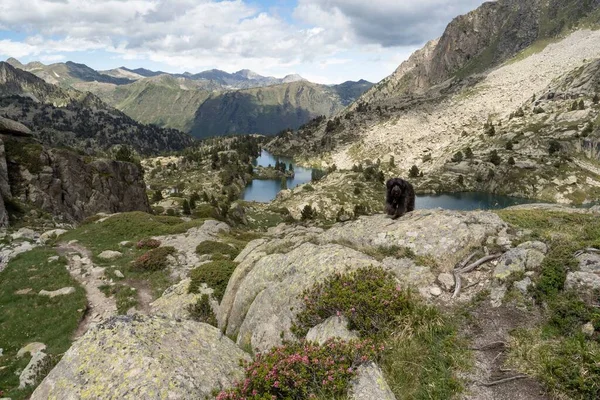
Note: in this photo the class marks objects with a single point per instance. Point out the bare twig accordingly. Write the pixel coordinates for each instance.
(477, 263)
(505, 380)
(588, 250)
(472, 284)
(457, 284)
(464, 262)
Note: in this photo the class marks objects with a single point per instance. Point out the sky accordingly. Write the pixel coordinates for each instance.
(325, 41)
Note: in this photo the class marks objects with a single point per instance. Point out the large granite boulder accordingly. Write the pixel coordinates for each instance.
(444, 235)
(145, 358)
(13, 128)
(263, 294)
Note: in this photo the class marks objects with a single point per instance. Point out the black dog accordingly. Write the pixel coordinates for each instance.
(400, 198)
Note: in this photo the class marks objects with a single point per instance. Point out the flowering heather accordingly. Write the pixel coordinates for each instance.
(370, 298)
(154, 260)
(303, 371)
(148, 244)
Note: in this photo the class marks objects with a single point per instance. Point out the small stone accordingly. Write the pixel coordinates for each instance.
(497, 295)
(98, 272)
(24, 291)
(1, 352)
(110, 255)
(72, 242)
(332, 327)
(523, 285)
(53, 234)
(119, 274)
(31, 348)
(126, 243)
(53, 259)
(435, 291)
(446, 280)
(60, 292)
(588, 329)
(24, 233)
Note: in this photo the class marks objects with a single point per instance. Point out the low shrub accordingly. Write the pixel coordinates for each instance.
(215, 274)
(148, 244)
(303, 370)
(370, 298)
(154, 260)
(213, 248)
(202, 311)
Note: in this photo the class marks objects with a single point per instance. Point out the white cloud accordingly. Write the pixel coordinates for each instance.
(230, 34)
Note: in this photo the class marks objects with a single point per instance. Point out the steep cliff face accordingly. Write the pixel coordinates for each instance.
(481, 39)
(68, 185)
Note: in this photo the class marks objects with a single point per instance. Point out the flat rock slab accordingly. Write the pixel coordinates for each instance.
(31, 374)
(175, 301)
(441, 234)
(139, 357)
(31, 348)
(60, 292)
(110, 255)
(370, 384)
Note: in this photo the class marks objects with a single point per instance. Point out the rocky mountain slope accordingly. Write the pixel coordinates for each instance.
(208, 103)
(495, 67)
(271, 109)
(67, 117)
(472, 298)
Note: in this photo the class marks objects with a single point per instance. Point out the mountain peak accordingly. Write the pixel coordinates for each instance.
(247, 74)
(14, 62)
(292, 78)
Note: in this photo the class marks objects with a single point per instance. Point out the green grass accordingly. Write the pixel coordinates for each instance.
(423, 355)
(215, 274)
(422, 352)
(213, 248)
(132, 227)
(33, 318)
(125, 296)
(556, 352)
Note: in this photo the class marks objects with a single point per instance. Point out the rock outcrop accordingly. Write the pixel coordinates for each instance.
(145, 358)
(68, 185)
(263, 295)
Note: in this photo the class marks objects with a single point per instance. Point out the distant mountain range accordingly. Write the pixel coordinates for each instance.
(65, 117)
(208, 103)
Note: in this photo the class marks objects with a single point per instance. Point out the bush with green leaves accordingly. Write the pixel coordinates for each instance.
(202, 311)
(414, 171)
(212, 247)
(302, 370)
(154, 260)
(214, 274)
(495, 158)
(370, 298)
(457, 157)
(308, 213)
(554, 147)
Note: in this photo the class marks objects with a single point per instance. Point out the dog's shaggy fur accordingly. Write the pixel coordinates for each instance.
(400, 198)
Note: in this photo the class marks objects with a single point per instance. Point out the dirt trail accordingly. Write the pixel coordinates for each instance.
(489, 331)
(81, 268)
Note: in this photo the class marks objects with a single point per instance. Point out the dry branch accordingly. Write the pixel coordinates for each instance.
(505, 380)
